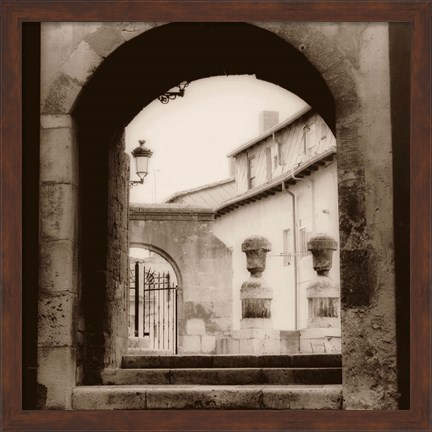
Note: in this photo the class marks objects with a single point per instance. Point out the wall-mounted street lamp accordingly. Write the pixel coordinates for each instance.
(141, 154)
(171, 95)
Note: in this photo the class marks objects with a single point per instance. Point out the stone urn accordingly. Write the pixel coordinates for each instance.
(322, 291)
(255, 294)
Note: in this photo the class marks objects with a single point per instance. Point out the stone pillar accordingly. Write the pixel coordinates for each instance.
(116, 318)
(255, 294)
(256, 335)
(323, 332)
(58, 262)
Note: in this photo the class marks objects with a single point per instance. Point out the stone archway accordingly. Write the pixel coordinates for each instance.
(158, 288)
(163, 254)
(141, 243)
(184, 236)
(89, 101)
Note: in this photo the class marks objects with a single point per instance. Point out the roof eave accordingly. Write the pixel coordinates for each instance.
(266, 188)
(198, 189)
(269, 132)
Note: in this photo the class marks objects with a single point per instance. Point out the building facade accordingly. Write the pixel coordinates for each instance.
(284, 189)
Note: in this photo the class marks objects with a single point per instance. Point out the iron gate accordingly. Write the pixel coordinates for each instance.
(155, 308)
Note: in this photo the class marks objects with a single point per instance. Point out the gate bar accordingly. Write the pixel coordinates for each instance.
(144, 278)
(136, 297)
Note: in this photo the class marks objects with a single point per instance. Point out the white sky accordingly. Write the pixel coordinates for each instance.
(191, 136)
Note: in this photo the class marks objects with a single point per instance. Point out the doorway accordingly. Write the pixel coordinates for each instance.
(153, 300)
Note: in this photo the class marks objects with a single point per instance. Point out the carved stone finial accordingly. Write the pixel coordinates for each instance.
(255, 293)
(322, 247)
(256, 248)
(322, 291)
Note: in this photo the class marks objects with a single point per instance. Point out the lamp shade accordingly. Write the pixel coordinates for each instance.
(141, 155)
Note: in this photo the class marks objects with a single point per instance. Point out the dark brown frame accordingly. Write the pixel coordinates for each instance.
(417, 13)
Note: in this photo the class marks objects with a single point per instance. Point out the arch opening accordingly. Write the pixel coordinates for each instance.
(287, 220)
(161, 58)
(130, 78)
(351, 58)
(136, 246)
(153, 296)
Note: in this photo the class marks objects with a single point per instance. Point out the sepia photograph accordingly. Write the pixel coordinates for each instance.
(219, 215)
(215, 215)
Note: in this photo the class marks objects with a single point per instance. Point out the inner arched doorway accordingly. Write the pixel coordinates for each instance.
(153, 290)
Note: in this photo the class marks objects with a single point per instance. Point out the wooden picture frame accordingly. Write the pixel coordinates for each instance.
(15, 12)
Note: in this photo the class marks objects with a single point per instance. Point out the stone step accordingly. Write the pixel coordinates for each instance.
(296, 397)
(223, 376)
(231, 361)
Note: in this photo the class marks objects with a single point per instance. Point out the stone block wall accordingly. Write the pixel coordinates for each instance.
(58, 262)
(183, 235)
(259, 342)
(356, 67)
(117, 290)
(353, 60)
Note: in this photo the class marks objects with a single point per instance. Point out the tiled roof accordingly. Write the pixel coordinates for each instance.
(277, 184)
(210, 195)
(269, 132)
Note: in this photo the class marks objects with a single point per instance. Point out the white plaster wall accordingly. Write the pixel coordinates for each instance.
(269, 217)
(326, 221)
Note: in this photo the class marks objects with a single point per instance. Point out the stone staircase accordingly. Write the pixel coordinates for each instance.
(297, 381)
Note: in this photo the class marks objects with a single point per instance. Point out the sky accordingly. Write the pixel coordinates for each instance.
(191, 136)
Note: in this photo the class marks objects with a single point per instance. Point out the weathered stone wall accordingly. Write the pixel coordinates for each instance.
(204, 263)
(117, 295)
(71, 52)
(353, 60)
(58, 261)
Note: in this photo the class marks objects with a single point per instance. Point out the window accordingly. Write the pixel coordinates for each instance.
(251, 172)
(280, 154)
(286, 247)
(303, 241)
(306, 131)
(232, 167)
(268, 164)
(323, 132)
(308, 138)
(275, 161)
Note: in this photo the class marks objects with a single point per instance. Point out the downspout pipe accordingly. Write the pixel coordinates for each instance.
(313, 198)
(284, 188)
